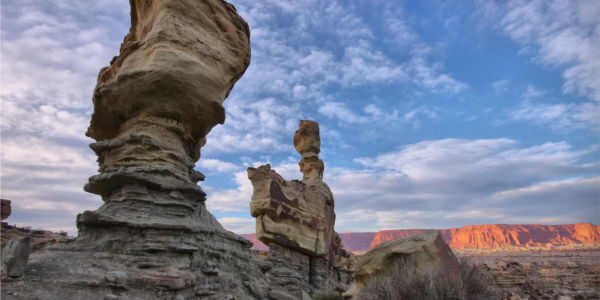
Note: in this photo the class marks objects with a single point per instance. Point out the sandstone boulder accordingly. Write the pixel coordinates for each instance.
(14, 256)
(425, 251)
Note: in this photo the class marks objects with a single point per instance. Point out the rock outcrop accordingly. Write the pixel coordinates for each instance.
(296, 220)
(39, 239)
(424, 251)
(560, 273)
(153, 107)
(14, 256)
(5, 208)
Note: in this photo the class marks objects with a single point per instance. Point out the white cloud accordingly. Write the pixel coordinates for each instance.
(533, 92)
(230, 200)
(238, 225)
(217, 165)
(560, 117)
(254, 127)
(452, 182)
(500, 86)
(455, 182)
(51, 53)
(45, 179)
(557, 33)
(338, 110)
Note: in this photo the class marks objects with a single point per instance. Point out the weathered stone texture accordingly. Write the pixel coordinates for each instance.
(5, 208)
(296, 219)
(14, 256)
(424, 251)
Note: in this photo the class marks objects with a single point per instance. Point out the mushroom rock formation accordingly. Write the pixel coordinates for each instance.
(153, 237)
(153, 107)
(296, 218)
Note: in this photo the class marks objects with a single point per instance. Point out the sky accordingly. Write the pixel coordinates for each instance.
(433, 114)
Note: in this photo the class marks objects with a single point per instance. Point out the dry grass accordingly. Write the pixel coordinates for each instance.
(406, 282)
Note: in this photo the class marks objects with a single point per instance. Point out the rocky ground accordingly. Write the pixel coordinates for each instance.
(542, 273)
(39, 238)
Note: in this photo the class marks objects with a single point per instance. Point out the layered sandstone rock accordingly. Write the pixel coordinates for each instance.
(560, 273)
(153, 107)
(424, 251)
(296, 218)
(296, 214)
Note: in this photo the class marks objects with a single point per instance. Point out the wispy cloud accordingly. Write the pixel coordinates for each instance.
(500, 86)
(560, 117)
(239, 225)
(560, 34)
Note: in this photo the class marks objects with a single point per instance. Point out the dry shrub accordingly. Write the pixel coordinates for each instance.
(408, 282)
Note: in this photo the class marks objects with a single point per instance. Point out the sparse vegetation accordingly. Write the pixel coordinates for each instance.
(327, 296)
(407, 282)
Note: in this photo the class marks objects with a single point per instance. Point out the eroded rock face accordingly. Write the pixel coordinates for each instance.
(426, 250)
(5, 208)
(295, 214)
(153, 107)
(296, 218)
(14, 256)
(179, 61)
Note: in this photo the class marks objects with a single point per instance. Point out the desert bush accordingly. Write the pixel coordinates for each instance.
(476, 281)
(408, 282)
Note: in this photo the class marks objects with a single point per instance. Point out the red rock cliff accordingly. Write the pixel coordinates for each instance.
(503, 235)
(477, 236)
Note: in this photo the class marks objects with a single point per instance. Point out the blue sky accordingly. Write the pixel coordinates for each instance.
(433, 114)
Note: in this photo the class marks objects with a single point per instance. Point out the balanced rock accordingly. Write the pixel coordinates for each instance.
(424, 251)
(295, 214)
(296, 220)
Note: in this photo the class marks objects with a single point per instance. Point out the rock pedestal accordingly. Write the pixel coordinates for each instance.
(296, 219)
(153, 107)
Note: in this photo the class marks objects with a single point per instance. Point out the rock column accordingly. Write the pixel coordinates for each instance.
(296, 219)
(153, 107)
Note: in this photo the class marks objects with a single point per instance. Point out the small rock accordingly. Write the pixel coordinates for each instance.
(111, 297)
(15, 256)
(305, 296)
(281, 295)
(116, 277)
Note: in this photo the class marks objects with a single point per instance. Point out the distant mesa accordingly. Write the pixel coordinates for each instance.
(489, 236)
